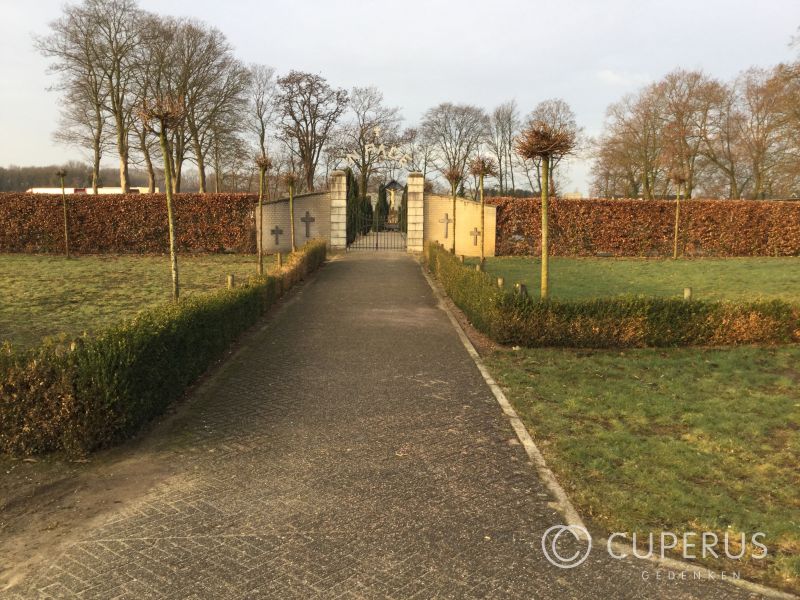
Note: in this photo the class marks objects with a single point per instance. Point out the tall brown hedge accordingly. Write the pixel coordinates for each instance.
(132, 223)
(645, 227)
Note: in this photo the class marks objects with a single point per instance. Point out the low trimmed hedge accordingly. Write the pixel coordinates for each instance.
(95, 391)
(627, 322)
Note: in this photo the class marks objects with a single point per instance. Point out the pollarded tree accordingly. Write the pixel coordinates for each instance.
(161, 115)
(454, 177)
(309, 108)
(264, 164)
(481, 168)
(559, 116)
(545, 142)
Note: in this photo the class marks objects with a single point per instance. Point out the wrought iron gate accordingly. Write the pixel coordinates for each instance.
(379, 227)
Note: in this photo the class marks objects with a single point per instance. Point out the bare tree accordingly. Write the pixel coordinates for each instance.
(213, 86)
(687, 97)
(84, 125)
(309, 108)
(760, 127)
(455, 131)
(155, 64)
(262, 104)
(117, 26)
(503, 126)
(418, 150)
(73, 44)
(364, 138)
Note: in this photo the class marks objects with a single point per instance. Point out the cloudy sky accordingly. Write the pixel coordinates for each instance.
(422, 52)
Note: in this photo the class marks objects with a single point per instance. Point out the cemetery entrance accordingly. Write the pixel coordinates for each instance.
(378, 221)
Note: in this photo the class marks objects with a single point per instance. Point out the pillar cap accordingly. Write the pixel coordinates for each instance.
(414, 174)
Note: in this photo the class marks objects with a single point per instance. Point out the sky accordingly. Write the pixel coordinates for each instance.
(423, 52)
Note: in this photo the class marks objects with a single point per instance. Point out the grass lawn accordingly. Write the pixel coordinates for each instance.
(48, 295)
(709, 278)
(672, 440)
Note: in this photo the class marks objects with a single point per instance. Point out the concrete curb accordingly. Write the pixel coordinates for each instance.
(562, 502)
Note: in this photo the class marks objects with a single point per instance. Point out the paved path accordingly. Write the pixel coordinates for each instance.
(350, 450)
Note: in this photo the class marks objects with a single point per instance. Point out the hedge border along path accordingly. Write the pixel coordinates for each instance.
(127, 223)
(627, 322)
(589, 227)
(100, 390)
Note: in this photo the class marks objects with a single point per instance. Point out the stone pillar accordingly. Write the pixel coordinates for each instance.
(416, 213)
(338, 197)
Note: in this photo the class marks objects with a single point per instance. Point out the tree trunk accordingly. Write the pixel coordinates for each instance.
(363, 190)
(148, 162)
(122, 146)
(217, 181)
(309, 177)
(545, 283)
(201, 163)
(677, 224)
(291, 216)
(96, 166)
(173, 256)
(453, 192)
(124, 181)
(511, 172)
(201, 174)
(260, 228)
(733, 188)
(66, 218)
(178, 175)
(483, 223)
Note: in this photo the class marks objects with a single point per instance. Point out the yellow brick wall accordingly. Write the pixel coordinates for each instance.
(468, 219)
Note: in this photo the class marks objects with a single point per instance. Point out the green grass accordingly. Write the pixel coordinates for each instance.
(47, 295)
(710, 279)
(678, 440)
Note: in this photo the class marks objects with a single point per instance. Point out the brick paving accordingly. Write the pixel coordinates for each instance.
(350, 450)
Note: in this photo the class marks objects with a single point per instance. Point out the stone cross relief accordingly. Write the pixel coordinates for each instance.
(446, 220)
(277, 232)
(308, 220)
(475, 235)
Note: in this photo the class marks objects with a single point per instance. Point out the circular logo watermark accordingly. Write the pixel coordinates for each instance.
(550, 546)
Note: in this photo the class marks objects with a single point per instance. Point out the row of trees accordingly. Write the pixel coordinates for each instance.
(692, 134)
(112, 58)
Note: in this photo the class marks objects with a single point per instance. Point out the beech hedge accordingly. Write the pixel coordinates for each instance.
(80, 395)
(628, 322)
(127, 223)
(589, 227)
